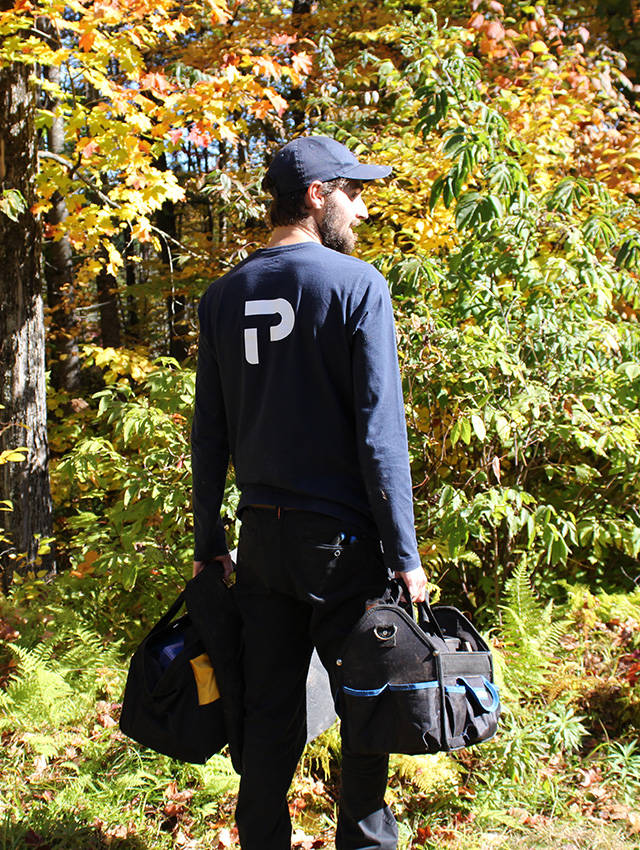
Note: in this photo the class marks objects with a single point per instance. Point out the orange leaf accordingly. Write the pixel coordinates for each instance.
(220, 13)
(279, 103)
(283, 38)
(89, 148)
(267, 66)
(495, 30)
(260, 109)
(86, 567)
(86, 40)
(199, 137)
(157, 82)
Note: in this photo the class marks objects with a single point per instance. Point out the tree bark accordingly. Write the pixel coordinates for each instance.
(22, 359)
(65, 366)
(176, 304)
(131, 268)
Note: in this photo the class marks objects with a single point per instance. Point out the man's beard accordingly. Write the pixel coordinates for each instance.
(333, 232)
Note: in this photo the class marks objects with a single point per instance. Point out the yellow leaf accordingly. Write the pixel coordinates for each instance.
(115, 259)
(14, 455)
(538, 47)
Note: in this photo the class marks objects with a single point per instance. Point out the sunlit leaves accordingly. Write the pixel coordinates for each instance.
(628, 255)
(474, 208)
(569, 193)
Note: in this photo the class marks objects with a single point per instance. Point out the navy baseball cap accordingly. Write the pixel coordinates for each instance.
(310, 158)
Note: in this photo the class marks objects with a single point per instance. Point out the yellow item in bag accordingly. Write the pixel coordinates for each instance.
(205, 679)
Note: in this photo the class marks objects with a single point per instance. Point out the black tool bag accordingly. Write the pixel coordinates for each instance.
(416, 687)
(172, 702)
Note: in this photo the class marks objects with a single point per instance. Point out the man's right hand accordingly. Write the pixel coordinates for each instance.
(227, 566)
(416, 583)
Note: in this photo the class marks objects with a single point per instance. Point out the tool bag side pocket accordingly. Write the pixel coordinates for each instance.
(395, 718)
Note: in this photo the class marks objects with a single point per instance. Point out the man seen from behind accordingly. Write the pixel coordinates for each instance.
(298, 383)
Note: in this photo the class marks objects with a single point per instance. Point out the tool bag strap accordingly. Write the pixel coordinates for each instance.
(168, 616)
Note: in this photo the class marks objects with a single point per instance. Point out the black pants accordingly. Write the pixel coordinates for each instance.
(298, 587)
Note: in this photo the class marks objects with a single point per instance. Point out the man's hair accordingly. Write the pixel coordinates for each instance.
(291, 208)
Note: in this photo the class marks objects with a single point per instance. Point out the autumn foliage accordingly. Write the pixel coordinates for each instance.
(509, 233)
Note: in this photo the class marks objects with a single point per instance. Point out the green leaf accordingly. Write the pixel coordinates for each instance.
(465, 430)
(473, 209)
(503, 428)
(630, 370)
(454, 434)
(12, 204)
(478, 427)
(128, 575)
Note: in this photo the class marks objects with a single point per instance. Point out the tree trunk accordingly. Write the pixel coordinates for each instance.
(176, 304)
(110, 329)
(22, 366)
(131, 269)
(65, 366)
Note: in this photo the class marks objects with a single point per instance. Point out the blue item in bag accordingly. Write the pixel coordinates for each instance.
(169, 646)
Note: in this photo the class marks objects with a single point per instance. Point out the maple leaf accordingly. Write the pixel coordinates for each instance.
(220, 13)
(278, 102)
(302, 63)
(175, 136)
(158, 82)
(283, 38)
(199, 137)
(115, 259)
(260, 109)
(85, 42)
(89, 148)
(267, 66)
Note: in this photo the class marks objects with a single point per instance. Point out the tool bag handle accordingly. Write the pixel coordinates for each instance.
(425, 619)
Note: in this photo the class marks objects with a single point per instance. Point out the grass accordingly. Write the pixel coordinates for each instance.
(562, 774)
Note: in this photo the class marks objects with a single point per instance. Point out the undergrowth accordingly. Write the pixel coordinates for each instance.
(566, 752)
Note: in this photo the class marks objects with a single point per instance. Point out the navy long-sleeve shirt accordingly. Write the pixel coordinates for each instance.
(298, 382)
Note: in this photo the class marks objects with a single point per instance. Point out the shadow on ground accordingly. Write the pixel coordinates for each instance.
(63, 831)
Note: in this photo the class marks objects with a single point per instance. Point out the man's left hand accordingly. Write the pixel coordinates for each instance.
(416, 583)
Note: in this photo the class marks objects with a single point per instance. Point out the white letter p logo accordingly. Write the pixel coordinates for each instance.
(267, 307)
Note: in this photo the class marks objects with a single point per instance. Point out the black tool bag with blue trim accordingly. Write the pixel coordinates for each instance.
(410, 686)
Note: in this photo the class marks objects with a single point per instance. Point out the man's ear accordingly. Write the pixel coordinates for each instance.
(315, 198)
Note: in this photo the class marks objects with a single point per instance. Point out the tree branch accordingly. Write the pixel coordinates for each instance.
(74, 170)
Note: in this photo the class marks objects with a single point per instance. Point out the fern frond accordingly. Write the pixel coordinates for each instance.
(430, 775)
(530, 634)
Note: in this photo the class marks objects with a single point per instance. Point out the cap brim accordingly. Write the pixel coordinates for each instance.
(361, 171)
